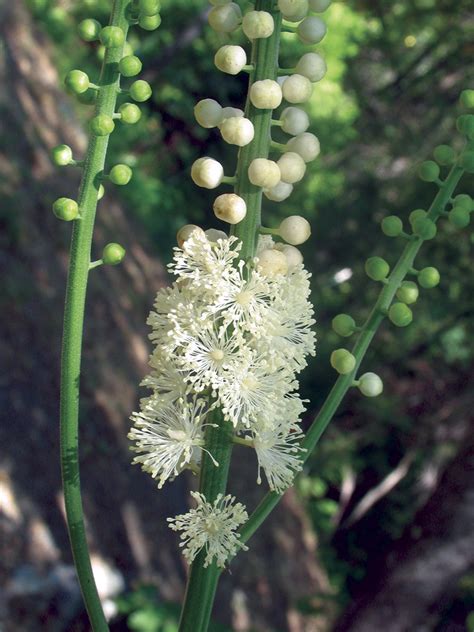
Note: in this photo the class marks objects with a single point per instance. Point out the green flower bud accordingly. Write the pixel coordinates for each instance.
(465, 201)
(444, 155)
(424, 228)
(89, 30)
(459, 217)
(343, 361)
(102, 125)
(465, 124)
(370, 385)
(392, 226)
(400, 314)
(467, 99)
(344, 325)
(113, 254)
(428, 277)
(408, 292)
(419, 213)
(130, 112)
(149, 22)
(140, 90)
(120, 174)
(428, 171)
(130, 66)
(467, 161)
(61, 155)
(65, 209)
(77, 81)
(100, 192)
(149, 7)
(112, 36)
(376, 268)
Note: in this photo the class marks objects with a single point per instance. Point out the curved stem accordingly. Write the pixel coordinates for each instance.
(73, 327)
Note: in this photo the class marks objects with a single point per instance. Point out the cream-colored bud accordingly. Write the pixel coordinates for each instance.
(292, 254)
(237, 131)
(311, 65)
(208, 113)
(230, 208)
(225, 18)
(266, 94)
(185, 233)
(207, 172)
(292, 167)
(272, 262)
(318, 6)
(230, 112)
(214, 235)
(297, 89)
(294, 121)
(258, 24)
(230, 59)
(306, 145)
(370, 385)
(295, 230)
(311, 30)
(279, 192)
(293, 10)
(264, 173)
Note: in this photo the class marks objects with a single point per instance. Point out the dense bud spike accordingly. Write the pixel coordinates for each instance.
(400, 314)
(113, 254)
(61, 155)
(392, 226)
(77, 81)
(102, 125)
(112, 36)
(343, 361)
(428, 171)
(129, 113)
(428, 277)
(89, 30)
(120, 174)
(370, 385)
(130, 65)
(66, 209)
(377, 268)
(344, 325)
(140, 91)
(408, 292)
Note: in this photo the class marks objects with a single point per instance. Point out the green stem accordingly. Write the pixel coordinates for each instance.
(368, 331)
(73, 327)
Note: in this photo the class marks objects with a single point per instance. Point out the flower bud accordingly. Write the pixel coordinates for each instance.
(208, 113)
(230, 208)
(294, 121)
(293, 10)
(237, 131)
(459, 217)
(428, 277)
(293, 256)
(112, 36)
(292, 167)
(428, 171)
(295, 230)
(272, 262)
(149, 22)
(257, 24)
(113, 254)
(415, 215)
(467, 98)
(312, 66)
(311, 30)
(229, 112)
(130, 66)
(230, 59)
(444, 155)
(100, 192)
(408, 292)
(279, 192)
(185, 233)
(61, 155)
(392, 226)
(266, 94)
(120, 174)
(89, 30)
(140, 90)
(65, 209)
(213, 235)
(343, 361)
(297, 89)
(424, 228)
(77, 81)
(149, 7)
(225, 18)
(376, 268)
(400, 314)
(207, 172)
(306, 145)
(344, 325)
(264, 173)
(318, 6)
(130, 113)
(465, 201)
(370, 385)
(102, 125)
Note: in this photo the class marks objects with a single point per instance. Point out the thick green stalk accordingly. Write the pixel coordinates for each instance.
(74, 322)
(368, 331)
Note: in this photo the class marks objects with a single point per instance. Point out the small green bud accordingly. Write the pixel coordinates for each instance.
(140, 90)
(130, 66)
(376, 268)
(465, 124)
(424, 228)
(343, 361)
(89, 30)
(61, 155)
(100, 192)
(400, 314)
(344, 325)
(120, 174)
(459, 217)
(465, 201)
(467, 161)
(77, 81)
(444, 155)
(428, 171)
(415, 215)
(102, 125)
(392, 226)
(408, 292)
(112, 36)
(65, 209)
(113, 254)
(370, 385)
(149, 22)
(149, 7)
(428, 277)
(467, 99)
(130, 112)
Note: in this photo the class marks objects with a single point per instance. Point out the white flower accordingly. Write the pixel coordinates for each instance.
(166, 379)
(211, 526)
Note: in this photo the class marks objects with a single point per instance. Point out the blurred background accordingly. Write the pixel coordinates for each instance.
(378, 532)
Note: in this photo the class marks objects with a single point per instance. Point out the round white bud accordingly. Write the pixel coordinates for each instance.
(264, 173)
(292, 254)
(208, 113)
(311, 65)
(370, 385)
(295, 230)
(272, 262)
(230, 112)
(214, 235)
(279, 192)
(311, 30)
(297, 89)
(225, 18)
(258, 24)
(292, 167)
(237, 130)
(294, 121)
(230, 59)
(207, 172)
(185, 233)
(230, 208)
(266, 94)
(293, 10)
(318, 6)
(306, 145)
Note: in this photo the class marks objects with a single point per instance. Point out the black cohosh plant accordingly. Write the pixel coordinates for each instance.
(234, 330)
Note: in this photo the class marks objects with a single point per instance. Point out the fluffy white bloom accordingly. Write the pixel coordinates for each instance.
(211, 526)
